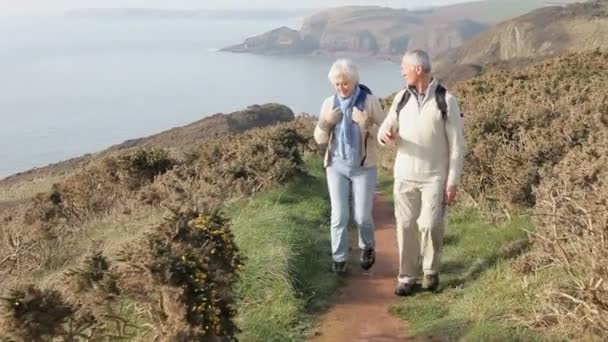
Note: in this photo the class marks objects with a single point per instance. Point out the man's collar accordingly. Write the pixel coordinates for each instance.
(429, 88)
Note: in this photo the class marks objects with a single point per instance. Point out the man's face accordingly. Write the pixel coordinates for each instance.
(411, 73)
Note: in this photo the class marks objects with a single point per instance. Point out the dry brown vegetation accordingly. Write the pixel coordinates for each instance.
(537, 143)
(538, 140)
(135, 245)
(572, 213)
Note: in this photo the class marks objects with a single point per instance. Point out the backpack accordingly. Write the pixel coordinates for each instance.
(439, 98)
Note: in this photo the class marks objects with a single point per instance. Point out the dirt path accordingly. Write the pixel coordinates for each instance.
(361, 311)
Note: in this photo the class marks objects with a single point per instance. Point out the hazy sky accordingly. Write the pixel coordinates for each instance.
(58, 6)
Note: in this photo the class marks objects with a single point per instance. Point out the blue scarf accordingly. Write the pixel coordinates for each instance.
(348, 132)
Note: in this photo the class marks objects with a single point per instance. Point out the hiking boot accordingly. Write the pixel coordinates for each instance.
(404, 289)
(339, 267)
(368, 258)
(430, 282)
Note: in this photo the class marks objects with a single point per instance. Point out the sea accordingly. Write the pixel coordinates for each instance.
(75, 85)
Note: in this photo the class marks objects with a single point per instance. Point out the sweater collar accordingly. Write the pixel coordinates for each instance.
(430, 88)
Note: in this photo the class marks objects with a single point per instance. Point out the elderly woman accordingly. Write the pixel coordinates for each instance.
(348, 124)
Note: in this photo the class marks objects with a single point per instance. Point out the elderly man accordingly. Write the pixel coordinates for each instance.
(425, 123)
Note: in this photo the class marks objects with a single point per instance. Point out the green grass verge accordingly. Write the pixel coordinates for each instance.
(284, 236)
(481, 296)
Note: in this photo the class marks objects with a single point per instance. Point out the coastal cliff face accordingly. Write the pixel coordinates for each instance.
(282, 40)
(387, 32)
(536, 35)
(364, 31)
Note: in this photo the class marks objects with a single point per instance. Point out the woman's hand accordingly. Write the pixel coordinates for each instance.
(364, 121)
(328, 121)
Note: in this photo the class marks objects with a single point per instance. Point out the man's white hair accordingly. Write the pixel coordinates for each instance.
(343, 68)
(418, 58)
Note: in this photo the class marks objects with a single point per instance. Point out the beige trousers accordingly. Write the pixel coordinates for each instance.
(420, 213)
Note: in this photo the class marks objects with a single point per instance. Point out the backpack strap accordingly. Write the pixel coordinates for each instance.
(440, 94)
(441, 102)
(403, 101)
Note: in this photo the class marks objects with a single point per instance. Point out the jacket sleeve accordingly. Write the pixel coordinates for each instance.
(322, 130)
(378, 115)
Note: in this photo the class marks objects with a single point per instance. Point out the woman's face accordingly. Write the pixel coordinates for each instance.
(344, 86)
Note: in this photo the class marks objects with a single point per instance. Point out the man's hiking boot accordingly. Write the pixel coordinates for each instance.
(430, 282)
(368, 258)
(339, 267)
(404, 289)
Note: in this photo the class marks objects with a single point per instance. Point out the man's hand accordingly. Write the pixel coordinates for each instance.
(387, 137)
(450, 195)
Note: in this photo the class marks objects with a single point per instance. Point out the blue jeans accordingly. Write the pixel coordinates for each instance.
(343, 181)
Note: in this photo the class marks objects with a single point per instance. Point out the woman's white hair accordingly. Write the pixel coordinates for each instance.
(343, 68)
(418, 58)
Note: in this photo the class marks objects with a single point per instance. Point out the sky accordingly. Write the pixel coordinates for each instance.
(17, 7)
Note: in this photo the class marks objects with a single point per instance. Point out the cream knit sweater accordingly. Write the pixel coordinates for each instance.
(429, 148)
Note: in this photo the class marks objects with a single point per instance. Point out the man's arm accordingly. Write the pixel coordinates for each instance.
(390, 126)
(454, 129)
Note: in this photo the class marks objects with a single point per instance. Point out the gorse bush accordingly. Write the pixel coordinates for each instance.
(232, 166)
(43, 315)
(95, 273)
(99, 188)
(521, 125)
(196, 253)
(143, 165)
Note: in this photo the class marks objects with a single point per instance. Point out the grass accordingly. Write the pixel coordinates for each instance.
(481, 295)
(284, 236)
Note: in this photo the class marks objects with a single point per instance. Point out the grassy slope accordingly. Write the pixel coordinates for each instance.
(481, 294)
(284, 236)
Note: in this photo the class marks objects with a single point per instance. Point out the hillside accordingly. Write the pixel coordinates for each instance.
(539, 146)
(217, 124)
(531, 37)
(386, 32)
(138, 243)
(25, 184)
